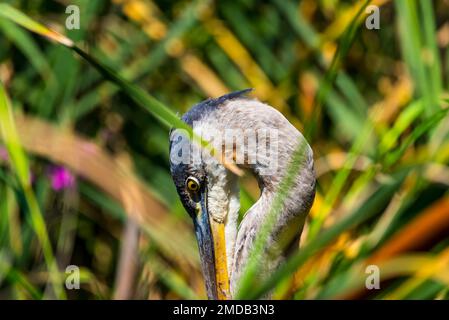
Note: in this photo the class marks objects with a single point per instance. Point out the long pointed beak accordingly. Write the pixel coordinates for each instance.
(210, 235)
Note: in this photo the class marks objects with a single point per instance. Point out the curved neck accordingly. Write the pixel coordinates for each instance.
(287, 225)
(268, 140)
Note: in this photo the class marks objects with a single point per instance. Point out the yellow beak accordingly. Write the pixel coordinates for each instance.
(210, 235)
(221, 266)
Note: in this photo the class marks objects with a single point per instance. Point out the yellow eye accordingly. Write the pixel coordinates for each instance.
(192, 184)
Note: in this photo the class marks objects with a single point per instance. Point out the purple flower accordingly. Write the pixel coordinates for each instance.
(61, 178)
(3, 153)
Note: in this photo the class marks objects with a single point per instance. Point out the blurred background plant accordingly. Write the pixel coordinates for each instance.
(84, 166)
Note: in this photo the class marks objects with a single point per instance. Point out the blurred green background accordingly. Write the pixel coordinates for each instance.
(84, 174)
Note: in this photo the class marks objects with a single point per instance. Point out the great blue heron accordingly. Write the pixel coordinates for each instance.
(210, 192)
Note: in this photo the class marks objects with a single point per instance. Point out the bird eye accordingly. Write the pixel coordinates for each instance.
(192, 184)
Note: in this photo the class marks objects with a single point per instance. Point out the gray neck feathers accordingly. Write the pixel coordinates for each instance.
(253, 115)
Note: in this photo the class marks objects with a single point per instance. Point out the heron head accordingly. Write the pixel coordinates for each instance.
(250, 132)
(208, 192)
(194, 189)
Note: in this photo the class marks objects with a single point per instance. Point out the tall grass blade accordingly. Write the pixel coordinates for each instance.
(135, 93)
(367, 210)
(19, 159)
